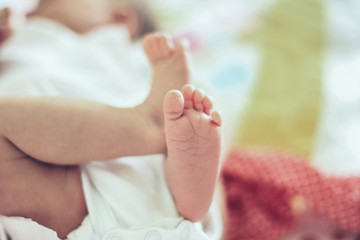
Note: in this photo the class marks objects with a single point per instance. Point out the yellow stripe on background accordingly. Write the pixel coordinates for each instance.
(285, 106)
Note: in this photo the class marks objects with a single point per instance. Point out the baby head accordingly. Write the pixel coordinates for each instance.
(85, 15)
(137, 15)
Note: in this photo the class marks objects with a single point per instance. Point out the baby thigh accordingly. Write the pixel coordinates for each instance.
(50, 195)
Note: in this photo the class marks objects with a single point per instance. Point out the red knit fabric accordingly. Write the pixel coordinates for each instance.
(259, 188)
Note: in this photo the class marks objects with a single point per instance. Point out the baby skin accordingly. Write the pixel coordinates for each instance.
(44, 139)
(193, 141)
(192, 130)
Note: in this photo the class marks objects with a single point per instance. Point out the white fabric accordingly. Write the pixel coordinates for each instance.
(23, 229)
(129, 195)
(185, 230)
(138, 199)
(136, 204)
(45, 58)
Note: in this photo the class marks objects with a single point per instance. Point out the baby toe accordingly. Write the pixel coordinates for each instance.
(208, 104)
(188, 92)
(198, 97)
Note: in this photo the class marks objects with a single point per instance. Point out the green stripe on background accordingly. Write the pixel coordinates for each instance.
(285, 106)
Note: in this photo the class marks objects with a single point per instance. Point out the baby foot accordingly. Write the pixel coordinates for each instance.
(171, 66)
(168, 61)
(193, 140)
(158, 47)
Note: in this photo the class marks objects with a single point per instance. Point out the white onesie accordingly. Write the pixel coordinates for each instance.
(127, 198)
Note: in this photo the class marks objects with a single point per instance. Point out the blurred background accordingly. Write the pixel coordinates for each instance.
(286, 71)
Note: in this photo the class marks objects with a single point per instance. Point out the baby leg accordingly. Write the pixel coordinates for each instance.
(50, 195)
(70, 131)
(193, 140)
